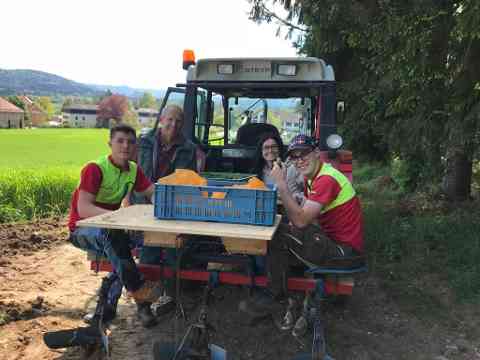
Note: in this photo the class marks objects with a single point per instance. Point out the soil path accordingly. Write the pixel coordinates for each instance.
(45, 284)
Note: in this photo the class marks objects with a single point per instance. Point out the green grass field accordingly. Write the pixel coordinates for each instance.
(42, 148)
(41, 167)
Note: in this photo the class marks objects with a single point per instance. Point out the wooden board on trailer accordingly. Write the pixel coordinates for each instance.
(232, 245)
(237, 238)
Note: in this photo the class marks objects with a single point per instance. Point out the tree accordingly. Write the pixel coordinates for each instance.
(409, 73)
(147, 101)
(131, 118)
(45, 103)
(113, 107)
(16, 101)
(67, 102)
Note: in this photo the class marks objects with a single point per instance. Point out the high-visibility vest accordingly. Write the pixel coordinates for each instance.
(347, 192)
(115, 182)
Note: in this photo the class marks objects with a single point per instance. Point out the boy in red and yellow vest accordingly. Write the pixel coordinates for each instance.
(326, 228)
(103, 185)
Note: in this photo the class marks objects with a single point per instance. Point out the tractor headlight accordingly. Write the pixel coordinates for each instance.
(334, 141)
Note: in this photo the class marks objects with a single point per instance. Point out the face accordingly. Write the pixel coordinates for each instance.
(306, 161)
(270, 150)
(122, 145)
(172, 123)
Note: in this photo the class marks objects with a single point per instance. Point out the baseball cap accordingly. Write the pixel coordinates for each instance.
(301, 142)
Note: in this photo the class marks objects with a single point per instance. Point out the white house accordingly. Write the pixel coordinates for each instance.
(81, 116)
(293, 125)
(146, 116)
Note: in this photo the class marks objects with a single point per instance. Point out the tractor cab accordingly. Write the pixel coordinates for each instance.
(230, 103)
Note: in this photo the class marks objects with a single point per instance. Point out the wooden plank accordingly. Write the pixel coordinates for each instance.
(245, 246)
(140, 218)
(232, 245)
(152, 238)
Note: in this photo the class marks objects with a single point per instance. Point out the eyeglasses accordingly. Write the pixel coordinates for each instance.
(271, 148)
(300, 157)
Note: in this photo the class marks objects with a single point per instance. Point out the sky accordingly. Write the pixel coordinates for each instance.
(124, 42)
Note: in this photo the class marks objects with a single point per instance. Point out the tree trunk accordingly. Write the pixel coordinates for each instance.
(458, 176)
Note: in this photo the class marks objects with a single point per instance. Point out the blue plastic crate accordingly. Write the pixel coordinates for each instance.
(241, 206)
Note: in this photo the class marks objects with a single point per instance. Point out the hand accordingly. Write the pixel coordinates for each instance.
(279, 174)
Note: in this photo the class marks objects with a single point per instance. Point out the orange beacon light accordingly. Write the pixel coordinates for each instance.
(188, 58)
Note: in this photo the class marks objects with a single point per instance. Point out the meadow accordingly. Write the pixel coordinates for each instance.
(40, 168)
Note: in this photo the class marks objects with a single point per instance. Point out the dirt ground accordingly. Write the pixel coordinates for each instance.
(46, 284)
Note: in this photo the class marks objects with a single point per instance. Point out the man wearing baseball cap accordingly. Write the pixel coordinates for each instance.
(326, 230)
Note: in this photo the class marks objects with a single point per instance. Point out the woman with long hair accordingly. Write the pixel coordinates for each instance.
(269, 150)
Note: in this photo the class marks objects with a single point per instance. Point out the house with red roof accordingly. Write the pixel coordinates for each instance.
(11, 116)
(36, 115)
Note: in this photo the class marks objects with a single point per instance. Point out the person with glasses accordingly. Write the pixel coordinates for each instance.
(103, 184)
(327, 230)
(270, 149)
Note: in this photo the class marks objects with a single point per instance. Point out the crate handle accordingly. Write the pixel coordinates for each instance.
(215, 194)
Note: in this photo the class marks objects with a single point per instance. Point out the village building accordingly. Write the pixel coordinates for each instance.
(11, 116)
(86, 116)
(292, 125)
(147, 116)
(36, 115)
(81, 116)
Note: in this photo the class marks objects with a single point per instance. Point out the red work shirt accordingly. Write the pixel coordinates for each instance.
(90, 181)
(344, 223)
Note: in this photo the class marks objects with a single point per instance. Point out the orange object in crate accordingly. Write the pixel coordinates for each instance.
(183, 177)
(253, 183)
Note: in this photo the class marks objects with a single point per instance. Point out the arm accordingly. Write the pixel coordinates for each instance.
(300, 216)
(144, 186)
(149, 193)
(86, 205)
(201, 159)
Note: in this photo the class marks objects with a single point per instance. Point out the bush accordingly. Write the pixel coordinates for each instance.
(26, 194)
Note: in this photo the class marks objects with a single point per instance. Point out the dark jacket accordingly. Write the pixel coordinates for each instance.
(148, 147)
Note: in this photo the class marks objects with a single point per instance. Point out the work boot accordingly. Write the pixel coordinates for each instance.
(287, 321)
(149, 292)
(301, 327)
(109, 314)
(164, 305)
(145, 315)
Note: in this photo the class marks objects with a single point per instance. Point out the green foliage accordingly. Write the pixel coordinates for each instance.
(42, 169)
(46, 105)
(410, 237)
(16, 101)
(131, 118)
(147, 101)
(408, 72)
(28, 194)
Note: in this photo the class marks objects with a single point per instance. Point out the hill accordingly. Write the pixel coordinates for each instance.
(35, 82)
(127, 90)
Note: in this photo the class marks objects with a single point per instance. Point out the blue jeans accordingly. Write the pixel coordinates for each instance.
(116, 246)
